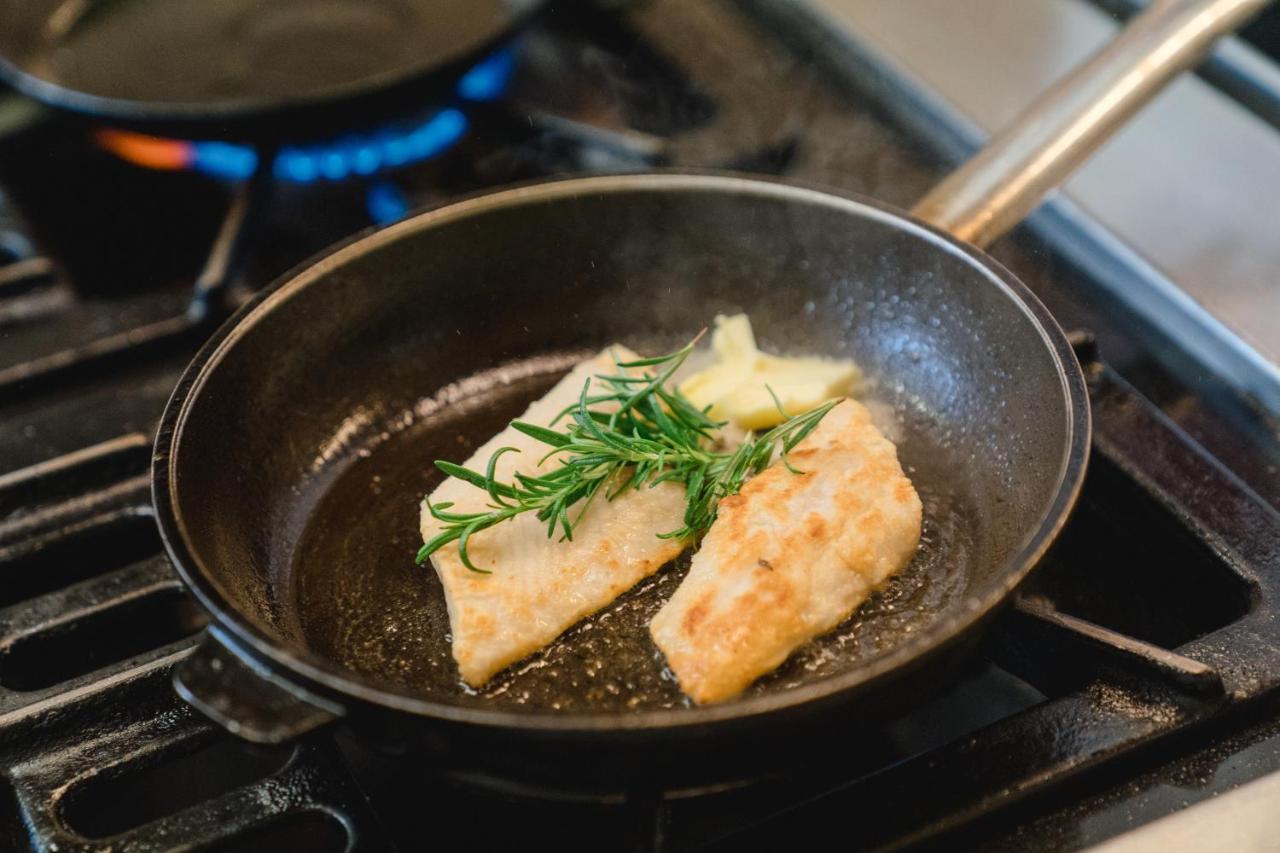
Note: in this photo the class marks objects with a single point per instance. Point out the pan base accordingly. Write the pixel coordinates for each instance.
(359, 599)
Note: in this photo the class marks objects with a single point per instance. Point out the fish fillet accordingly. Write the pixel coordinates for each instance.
(541, 586)
(790, 557)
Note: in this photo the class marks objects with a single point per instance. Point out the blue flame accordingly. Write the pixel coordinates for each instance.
(489, 79)
(368, 154)
(224, 160)
(386, 203)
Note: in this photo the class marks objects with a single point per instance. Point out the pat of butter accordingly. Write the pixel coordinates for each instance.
(737, 386)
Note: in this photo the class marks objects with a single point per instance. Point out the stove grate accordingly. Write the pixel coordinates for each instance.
(86, 709)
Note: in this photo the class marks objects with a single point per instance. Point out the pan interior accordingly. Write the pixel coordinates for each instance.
(305, 454)
(362, 601)
(194, 52)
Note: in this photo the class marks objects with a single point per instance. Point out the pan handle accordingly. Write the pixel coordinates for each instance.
(1004, 182)
(246, 700)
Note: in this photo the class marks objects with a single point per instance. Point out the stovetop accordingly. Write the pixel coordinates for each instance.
(1173, 216)
(1135, 676)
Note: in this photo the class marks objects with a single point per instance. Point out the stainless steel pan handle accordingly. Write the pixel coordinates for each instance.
(1005, 181)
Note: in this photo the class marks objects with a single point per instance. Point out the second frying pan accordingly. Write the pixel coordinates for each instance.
(178, 62)
(291, 456)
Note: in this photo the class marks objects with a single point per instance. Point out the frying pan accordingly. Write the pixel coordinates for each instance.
(223, 65)
(292, 456)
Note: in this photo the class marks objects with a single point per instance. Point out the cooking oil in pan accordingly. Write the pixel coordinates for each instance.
(360, 600)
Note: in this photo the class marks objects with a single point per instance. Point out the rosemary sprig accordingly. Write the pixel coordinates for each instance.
(640, 434)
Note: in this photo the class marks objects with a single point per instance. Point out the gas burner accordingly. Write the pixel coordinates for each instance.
(356, 154)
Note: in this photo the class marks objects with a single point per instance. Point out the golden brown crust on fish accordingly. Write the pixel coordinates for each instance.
(790, 557)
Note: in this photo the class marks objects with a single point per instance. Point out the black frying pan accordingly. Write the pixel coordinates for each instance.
(228, 62)
(291, 457)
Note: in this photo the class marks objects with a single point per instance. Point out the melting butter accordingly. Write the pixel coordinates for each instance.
(737, 386)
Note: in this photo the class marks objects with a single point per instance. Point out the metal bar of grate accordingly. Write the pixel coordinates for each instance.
(21, 277)
(66, 477)
(47, 526)
(313, 781)
(65, 606)
(1106, 646)
(46, 371)
(122, 619)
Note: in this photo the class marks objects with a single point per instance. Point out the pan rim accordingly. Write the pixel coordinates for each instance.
(310, 669)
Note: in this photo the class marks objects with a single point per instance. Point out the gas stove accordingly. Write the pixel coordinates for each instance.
(1135, 676)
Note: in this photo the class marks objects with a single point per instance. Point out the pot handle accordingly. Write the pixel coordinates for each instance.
(244, 698)
(1006, 180)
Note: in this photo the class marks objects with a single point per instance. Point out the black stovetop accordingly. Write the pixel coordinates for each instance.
(1063, 733)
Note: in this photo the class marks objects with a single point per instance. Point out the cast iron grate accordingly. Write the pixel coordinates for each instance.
(97, 751)
(29, 285)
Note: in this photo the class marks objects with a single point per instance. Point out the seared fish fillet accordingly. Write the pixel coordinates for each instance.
(541, 586)
(790, 557)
